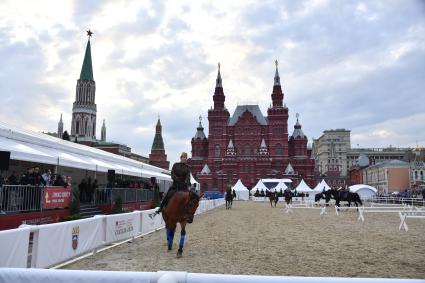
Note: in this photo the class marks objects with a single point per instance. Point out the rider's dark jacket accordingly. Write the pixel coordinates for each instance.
(180, 173)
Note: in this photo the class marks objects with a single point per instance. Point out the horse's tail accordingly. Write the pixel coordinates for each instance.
(358, 199)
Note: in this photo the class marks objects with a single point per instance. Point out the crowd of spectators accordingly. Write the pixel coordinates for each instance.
(33, 177)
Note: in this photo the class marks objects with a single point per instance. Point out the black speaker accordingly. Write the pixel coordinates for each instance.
(4, 160)
(111, 176)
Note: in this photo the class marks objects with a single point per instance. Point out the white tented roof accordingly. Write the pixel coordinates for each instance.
(355, 188)
(281, 186)
(303, 188)
(277, 180)
(193, 180)
(239, 186)
(364, 191)
(260, 186)
(322, 185)
(30, 146)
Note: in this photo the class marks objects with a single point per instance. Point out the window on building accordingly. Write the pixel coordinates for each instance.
(255, 150)
(217, 150)
(204, 187)
(247, 150)
(215, 183)
(278, 149)
(239, 150)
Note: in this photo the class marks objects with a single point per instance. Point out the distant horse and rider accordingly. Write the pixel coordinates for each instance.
(229, 198)
(338, 196)
(287, 194)
(274, 198)
(342, 195)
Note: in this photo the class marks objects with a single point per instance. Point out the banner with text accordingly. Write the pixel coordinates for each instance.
(122, 226)
(54, 197)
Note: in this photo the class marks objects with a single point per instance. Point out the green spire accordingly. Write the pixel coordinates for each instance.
(87, 70)
(158, 143)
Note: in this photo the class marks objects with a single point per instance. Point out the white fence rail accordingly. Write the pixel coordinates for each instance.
(18, 275)
(55, 243)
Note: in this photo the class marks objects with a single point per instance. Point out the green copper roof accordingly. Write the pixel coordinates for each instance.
(87, 70)
(158, 143)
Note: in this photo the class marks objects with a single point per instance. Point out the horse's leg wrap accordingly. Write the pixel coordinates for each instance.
(171, 238)
(182, 236)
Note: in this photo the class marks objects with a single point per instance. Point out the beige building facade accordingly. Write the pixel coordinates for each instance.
(388, 176)
(335, 156)
(330, 151)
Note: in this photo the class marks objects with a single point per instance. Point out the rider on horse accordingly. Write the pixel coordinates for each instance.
(180, 173)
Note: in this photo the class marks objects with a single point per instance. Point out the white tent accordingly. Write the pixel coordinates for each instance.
(242, 193)
(259, 186)
(303, 188)
(322, 185)
(364, 191)
(194, 182)
(280, 187)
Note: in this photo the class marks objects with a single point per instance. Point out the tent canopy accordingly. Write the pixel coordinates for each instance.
(242, 193)
(239, 186)
(322, 185)
(41, 148)
(260, 186)
(364, 191)
(303, 188)
(281, 186)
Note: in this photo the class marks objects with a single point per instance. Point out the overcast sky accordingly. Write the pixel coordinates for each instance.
(358, 65)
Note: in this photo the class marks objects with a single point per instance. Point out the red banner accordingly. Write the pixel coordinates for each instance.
(54, 197)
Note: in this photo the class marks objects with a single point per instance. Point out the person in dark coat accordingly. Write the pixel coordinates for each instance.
(180, 173)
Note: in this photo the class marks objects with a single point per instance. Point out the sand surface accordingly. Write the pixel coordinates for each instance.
(253, 238)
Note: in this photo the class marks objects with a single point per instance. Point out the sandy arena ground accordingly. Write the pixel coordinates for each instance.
(253, 238)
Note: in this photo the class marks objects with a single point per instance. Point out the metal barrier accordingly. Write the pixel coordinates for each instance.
(398, 200)
(20, 198)
(109, 195)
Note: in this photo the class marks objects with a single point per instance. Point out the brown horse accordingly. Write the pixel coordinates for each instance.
(180, 209)
(273, 198)
(288, 197)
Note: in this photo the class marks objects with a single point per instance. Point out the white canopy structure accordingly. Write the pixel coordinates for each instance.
(242, 193)
(280, 187)
(41, 148)
(259, 186)
(322, 185)
(194, 182)
(364, 191)
(303, 188)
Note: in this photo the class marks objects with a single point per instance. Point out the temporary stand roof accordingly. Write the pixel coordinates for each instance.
(259, 186)
(303, 188)
(194, 182)
(281, 186)
(41, 148)
(242, 193)
(364, 191)
(322, 185)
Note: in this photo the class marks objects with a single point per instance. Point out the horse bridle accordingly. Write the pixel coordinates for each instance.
(186, 207)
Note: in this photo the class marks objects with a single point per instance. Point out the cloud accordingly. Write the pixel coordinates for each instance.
(355, 65)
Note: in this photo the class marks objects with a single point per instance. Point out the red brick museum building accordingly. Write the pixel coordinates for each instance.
(248, 145)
